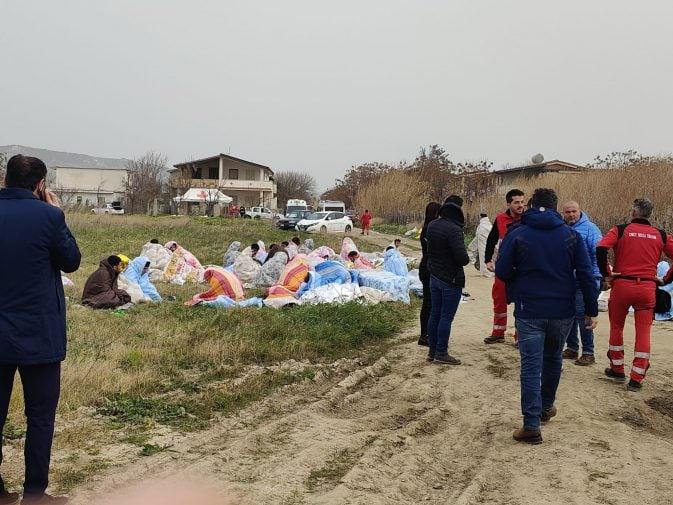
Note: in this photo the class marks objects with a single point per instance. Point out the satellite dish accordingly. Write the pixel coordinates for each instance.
(537, 159)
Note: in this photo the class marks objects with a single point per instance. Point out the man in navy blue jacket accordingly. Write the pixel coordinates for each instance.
(36, 246)
(540, 260)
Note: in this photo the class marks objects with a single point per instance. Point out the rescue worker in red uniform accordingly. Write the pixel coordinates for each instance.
(515, 208)
(638, 247)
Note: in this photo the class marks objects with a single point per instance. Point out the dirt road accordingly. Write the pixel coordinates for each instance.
(403, 431)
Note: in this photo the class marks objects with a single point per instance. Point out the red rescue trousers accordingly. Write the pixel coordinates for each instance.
(499, 295)
(641, 296)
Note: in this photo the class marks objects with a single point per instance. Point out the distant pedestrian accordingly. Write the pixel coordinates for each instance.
(36, 246)
(431, 213)
(447, 256)
(579, 221)
(241, 211)
(540, 261)
(366, 220)
(638, 246)
(477, 248)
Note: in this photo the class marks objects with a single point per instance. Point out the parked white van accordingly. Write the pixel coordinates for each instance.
(331, 206)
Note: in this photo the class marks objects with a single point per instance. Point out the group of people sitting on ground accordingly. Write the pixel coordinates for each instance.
(102, 290)
(552, 267)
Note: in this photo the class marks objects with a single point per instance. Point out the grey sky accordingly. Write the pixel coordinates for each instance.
(318, 86)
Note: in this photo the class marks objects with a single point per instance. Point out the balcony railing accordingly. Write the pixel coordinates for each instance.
(224, 184)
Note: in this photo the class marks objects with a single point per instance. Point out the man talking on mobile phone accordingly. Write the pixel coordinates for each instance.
(37, 245)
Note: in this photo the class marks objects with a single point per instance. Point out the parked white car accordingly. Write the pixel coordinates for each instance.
(324, 222)
(108, 208)
(259, 213)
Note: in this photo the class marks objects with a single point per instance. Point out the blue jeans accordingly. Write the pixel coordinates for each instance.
(445, 299)
(541, 347)
(587, 335)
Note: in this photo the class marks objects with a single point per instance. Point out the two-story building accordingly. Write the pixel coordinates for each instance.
(246, 183)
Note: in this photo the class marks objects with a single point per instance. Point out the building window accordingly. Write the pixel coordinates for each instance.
(79, 200)
(233, 173)
(214, 173)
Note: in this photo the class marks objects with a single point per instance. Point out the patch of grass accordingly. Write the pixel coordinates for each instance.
(152, 449)
(392, 229)
(12, 432)
(136, 438)
(68, 478)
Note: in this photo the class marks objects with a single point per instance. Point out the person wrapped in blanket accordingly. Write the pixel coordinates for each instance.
(350, 253)
(222, 283)
(101, 290)
(191, 260)
(138, 272)
(183, 266)
(393, 262)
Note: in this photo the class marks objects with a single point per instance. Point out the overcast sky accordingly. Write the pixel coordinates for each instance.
(319, 86)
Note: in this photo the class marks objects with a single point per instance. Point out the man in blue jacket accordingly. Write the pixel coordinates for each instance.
(36, 246)
(579, 221)
(539, 261)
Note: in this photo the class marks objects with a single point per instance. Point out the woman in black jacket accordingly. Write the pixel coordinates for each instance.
(431, 213)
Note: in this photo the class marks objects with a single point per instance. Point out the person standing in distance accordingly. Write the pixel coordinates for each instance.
(447, 255)
(37, 245)
(515, 208)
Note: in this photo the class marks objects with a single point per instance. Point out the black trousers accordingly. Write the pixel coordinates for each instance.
(427, 303)
(41, 390)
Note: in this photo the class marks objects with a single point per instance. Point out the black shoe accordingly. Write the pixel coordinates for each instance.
(493, 339)
(423, 340)
(7, 498)
(618, 377)
(634, 386)
(430, 357)
(446, 359)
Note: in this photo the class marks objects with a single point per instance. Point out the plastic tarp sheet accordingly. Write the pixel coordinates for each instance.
(332, 293)
(396, 285)
(415, 284)
(224, 302)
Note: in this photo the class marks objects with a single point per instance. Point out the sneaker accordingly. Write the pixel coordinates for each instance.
(43, 499)
(494, 339)
(430, 357)
(527, 436)
(446, 359)
(548, 414)
(7, 498)
(570, 354)
(618, 377)
(585, 360)
(634, 386)
(423, 340)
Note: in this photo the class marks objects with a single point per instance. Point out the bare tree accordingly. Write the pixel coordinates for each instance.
(294, 185)
(144, 180)
(180, 182)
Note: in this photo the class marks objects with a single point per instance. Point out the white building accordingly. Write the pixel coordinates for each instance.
(247, 183)
(87, 186)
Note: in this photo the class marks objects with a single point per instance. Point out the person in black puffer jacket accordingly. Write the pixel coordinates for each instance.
(431, 213)
(447, 255)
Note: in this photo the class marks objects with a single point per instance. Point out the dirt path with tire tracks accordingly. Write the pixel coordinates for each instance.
(403, 431)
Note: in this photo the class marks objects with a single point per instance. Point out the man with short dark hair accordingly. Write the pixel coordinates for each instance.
(541, 260)
(515, 208)
(638, 246)
(37, 246)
